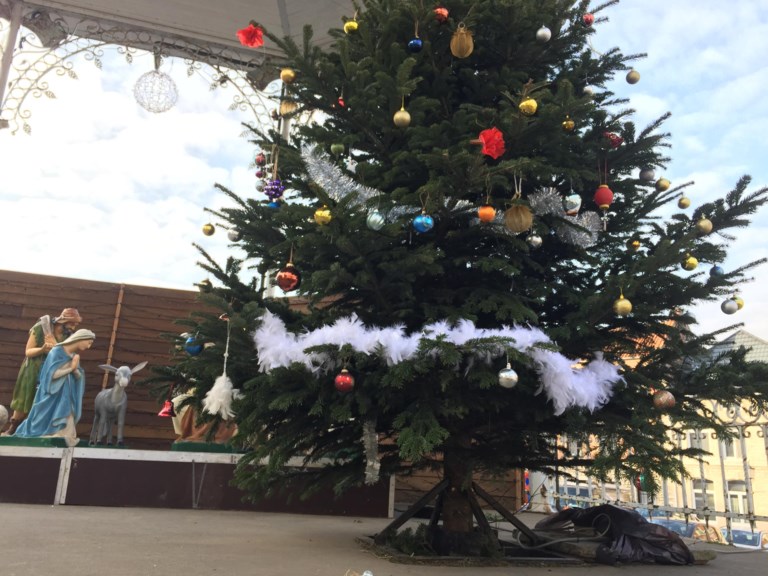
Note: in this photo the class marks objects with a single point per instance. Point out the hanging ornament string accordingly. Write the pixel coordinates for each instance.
(518, 183)
(275, 154)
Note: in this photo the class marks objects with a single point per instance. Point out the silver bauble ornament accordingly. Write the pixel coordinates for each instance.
(729, 306)
(234, 235)
(375, 220)
(543, 34)
(571, 204)
(534, 241)
(648, 175)
(507, 377)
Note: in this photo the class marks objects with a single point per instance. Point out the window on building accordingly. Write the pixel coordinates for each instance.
(703, 439)
(700, 501)
(731, 447)
(737, 496)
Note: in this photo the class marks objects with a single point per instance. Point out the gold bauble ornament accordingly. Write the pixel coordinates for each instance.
(568, 124)
(287, 75)
(684, 202)
(633, 76)
(528, 106)
(704, 226)
(622, 306)
(633, 245)
(462, 44)
(739, 302)
(402, 118)
(662, 184)
(323, 216)
(690, 263)
(518, 218)
(664, 399)
(350, 26)
(208, 229)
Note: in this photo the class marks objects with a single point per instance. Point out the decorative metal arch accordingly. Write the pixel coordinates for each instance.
(49, 43)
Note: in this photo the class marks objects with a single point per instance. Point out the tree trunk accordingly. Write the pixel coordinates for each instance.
(457, 511)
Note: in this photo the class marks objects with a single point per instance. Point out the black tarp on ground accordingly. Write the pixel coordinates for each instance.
(633, 538)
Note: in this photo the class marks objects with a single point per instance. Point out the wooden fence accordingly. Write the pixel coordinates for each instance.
(128, 321)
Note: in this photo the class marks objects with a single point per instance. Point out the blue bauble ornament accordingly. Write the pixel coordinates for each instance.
(716, 271)
(375, 220)
(192, 346)
(275, 204)
(415, 45)
(423, 223)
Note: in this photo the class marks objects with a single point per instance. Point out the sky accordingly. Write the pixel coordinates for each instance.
(104, 190)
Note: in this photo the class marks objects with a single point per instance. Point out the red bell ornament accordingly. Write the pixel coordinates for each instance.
(344, 381)
(603, 197)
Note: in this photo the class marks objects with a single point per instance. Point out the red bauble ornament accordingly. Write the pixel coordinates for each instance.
(486, 213)
(603, 196)
(344, 381)
(341, 102)
(261, 159)
(441, 14)
(288, 278)
(588, 19)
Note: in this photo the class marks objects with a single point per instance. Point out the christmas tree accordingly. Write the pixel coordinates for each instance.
(484, 260)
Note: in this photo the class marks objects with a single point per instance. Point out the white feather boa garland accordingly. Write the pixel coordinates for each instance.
(589, 387)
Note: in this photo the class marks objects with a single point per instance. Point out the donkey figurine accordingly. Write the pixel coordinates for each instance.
(111, 404)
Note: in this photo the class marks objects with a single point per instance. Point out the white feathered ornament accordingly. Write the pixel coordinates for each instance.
(218, 400)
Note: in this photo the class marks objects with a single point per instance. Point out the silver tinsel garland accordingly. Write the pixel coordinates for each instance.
(580, 230)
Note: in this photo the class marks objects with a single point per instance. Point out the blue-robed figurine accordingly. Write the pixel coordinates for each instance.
(59, 398)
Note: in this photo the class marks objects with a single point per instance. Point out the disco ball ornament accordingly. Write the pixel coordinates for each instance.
(192, 346)
(729, 306)
(683, 202)
(534, 241)
(664, 400)
(155, 91)
(572, 204)
(543, 34)
(375, 220)
(508, 378)
(647, 174)
(344, 381)
(208, 229)
(288, 278)
(234, 235)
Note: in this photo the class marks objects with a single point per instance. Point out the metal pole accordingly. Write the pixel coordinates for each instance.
(10, 43)
(747, 479)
